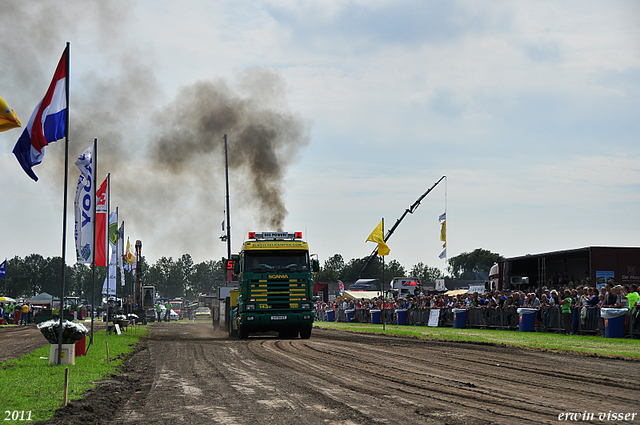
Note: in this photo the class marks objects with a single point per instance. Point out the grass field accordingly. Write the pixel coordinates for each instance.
(586, 345)
(28, 384)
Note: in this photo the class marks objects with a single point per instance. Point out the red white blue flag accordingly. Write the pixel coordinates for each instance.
(47, 123)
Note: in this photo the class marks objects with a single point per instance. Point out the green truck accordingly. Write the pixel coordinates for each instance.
(275, 288)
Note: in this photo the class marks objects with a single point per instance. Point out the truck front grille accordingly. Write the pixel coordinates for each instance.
(278, 294)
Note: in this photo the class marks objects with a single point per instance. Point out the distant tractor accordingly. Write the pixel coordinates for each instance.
(76, 307)
(148, 302)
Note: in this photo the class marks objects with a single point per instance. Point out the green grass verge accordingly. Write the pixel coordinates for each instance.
(586, 345)
(29, 384)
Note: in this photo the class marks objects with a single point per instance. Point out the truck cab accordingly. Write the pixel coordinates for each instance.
(148, 296)
(177, 305)
(275, 289)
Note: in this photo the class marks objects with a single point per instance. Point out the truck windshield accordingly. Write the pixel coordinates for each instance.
(279, 261)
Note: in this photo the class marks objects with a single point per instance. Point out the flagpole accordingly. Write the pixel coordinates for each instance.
(115, 282)
(123, 278)
(106, 244)
(445, 212)
(64, 203)
(226, 170)
(93, 246)
(383, 298)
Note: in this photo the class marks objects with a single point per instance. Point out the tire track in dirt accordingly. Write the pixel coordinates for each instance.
(536, 385)
(372, 384)
(523, 371)
(199, 380)
(186, 373)
(405, 391)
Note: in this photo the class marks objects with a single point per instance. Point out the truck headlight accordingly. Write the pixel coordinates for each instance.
(250, 318)
(306, 305)
(251, 306)
(306, 317)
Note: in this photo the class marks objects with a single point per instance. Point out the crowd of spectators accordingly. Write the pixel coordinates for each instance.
(577, 301)
(16, 312)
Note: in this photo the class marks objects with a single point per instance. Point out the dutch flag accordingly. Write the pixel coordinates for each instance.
(47, 123)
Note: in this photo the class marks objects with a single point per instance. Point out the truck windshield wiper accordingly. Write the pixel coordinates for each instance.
(259, 269)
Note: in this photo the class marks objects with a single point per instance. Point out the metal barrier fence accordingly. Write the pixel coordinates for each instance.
(587, 320)
(584, 320)
(321, 315)
(494, 318)
(634, 324)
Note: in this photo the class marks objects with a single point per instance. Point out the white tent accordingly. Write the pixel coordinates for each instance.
(358, 295)
(43, 298)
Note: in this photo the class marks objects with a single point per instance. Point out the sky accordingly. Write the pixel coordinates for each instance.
(338, 114)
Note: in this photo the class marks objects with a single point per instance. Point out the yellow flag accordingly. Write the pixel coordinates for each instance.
(377, 237)
(8, 118)
(130, 255)
(383, 249)
(443, 232)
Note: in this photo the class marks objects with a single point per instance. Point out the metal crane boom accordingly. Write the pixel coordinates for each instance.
(409, 210)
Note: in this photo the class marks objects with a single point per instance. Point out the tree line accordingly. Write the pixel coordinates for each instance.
(473, 265)
(181, 277)
(35, 274)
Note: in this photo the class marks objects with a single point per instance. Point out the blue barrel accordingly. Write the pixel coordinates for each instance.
(527, 321)
(459, 318)
(331, 316)
(614, 326)
(375, 317)
(350, 315)
(402, 317)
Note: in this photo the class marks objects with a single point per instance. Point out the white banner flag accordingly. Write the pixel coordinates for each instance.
(84, 207)
(109, 285)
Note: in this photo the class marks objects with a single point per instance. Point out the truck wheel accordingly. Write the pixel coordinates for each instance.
(305, 333)
(243, 333)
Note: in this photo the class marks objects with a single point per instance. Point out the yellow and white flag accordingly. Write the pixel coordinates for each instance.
(130, 255)
(377, 237)
(443, 236)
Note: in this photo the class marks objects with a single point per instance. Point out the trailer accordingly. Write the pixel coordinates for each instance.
(404, 286)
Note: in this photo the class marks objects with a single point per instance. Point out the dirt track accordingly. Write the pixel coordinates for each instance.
(185, 374)
(19, 340)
